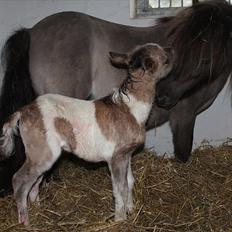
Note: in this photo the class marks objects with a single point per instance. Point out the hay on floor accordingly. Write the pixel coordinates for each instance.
(169, 196)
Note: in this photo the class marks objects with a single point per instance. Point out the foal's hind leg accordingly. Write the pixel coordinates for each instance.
(34, 193)
(23, 180)
(119, 168)
(22, 183)
(38, 161)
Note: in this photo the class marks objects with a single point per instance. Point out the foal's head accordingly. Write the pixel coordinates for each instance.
(148, 62)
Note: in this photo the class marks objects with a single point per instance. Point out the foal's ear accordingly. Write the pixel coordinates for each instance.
(119, 60)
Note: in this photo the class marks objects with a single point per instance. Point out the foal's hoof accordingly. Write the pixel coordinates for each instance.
(23, 218)
(120, 217)
(130, 208)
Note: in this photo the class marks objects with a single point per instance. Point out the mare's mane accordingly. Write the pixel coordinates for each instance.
(201, 38)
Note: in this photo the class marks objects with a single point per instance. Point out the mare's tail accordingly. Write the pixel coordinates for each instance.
(16, 92)
(17, 89)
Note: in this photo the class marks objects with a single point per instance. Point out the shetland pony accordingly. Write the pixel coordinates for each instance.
(66, 53)
(109, 129)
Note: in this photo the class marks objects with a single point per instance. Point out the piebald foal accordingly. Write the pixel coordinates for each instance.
(109, 129)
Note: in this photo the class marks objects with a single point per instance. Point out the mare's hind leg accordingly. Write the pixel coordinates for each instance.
(119, 169)
(10, 166)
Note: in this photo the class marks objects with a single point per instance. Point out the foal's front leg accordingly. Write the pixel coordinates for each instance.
(119, 170)
(130, 181)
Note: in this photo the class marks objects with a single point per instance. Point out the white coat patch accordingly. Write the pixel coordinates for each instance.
(92, 145)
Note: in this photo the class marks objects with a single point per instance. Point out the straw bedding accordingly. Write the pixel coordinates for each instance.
(169, 196)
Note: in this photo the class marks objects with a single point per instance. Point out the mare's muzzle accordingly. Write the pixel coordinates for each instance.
(164, 101)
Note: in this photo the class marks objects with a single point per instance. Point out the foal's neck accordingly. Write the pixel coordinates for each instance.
(138, 95)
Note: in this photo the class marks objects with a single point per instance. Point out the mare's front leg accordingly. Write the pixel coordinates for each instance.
(119, 175)
(182, 121)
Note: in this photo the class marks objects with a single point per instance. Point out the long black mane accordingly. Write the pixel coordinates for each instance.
(201, 36)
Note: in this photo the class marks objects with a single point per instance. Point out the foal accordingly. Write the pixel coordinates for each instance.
(109, 129)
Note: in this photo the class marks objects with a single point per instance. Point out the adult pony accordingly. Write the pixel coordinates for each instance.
(67, 53)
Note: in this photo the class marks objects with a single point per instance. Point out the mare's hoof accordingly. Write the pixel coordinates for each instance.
(6, 191)
(182, 159)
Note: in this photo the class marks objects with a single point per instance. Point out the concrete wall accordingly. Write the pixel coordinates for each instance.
(214, 125)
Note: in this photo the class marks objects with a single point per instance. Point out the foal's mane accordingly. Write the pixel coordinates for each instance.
(201, 36)
(117, 96)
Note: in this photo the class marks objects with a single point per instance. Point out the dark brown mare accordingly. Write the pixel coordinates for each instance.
(67, 53)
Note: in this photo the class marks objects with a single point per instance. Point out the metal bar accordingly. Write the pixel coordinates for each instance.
(133, 9)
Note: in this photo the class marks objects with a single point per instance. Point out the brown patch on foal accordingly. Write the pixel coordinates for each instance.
(117, 123)
(32, 116)
(65, 129)
(33, 134)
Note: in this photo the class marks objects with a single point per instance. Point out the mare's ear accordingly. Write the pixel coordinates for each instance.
(119, 60)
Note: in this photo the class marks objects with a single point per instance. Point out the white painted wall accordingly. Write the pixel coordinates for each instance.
(214, 125)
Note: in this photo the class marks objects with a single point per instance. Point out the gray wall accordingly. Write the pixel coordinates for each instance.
(214, 125)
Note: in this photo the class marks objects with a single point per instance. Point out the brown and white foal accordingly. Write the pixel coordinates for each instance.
(109, 129)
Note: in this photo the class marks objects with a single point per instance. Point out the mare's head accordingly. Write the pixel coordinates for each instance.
(201, 38)
(148, 62)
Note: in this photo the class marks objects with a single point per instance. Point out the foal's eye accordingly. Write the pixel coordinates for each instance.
(135, 62)
(148, 63)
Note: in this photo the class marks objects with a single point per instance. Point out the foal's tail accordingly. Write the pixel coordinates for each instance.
(17, 89)
(7, 139)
